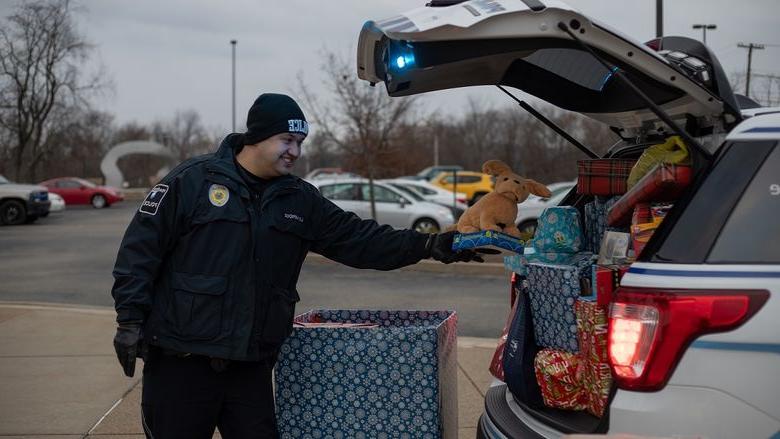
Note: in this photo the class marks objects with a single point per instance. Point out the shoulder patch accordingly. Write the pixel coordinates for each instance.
(152, 201)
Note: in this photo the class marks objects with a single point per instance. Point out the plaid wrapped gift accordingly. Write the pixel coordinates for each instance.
(559, 231)
(558, 376)
(664, 183)
(553, 290)
(398, 378)
(596, 221)
(490, 239)
(594, 368)
(603, 176)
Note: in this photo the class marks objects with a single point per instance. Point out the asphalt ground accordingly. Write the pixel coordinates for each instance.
(67, 258)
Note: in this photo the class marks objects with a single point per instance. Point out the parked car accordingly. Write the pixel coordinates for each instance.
(474, 184)
(529, 211)
(428, 173)
(57, 203)
(79, 191)
(693, 331)
(434, 194)
(400, 209)
(329, 173)
(22, 203)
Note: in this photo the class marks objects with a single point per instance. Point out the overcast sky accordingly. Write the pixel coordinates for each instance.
(168, 55)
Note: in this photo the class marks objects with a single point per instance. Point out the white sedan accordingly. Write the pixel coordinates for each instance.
(397, 208)
(57, 203)
(433, 193)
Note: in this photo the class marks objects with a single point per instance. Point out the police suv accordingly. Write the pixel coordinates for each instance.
(694, 332)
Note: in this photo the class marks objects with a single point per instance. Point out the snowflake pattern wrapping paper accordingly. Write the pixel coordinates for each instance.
(396, 380)
(553, 290)
(596, 222)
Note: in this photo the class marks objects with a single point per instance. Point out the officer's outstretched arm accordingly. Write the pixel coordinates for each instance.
(347, 239)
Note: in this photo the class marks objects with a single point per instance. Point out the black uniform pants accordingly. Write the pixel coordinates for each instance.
(185, 397)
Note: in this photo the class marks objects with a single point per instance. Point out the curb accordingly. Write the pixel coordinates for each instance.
(43, 306)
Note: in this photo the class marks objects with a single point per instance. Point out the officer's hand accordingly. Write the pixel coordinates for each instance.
(440, 247)
(127, 343)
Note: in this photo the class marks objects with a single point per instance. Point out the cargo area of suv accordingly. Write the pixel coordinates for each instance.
(597, 333)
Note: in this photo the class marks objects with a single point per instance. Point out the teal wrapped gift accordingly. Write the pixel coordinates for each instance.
(362, 373)
(559, 231)
(488, 239)
(519, 263)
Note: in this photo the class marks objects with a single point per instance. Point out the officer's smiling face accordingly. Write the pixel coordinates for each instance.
(277, 154)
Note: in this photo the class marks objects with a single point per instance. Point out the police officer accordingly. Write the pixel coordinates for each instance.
(205, 277)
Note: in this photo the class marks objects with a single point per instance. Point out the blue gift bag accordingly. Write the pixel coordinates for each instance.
(395, 379)
(559, 231)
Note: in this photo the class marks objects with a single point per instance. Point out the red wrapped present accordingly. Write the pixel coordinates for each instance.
(557, 373)
(593, 358)
(603, 176)
(497, 363)
(664, 183)
(606, 279)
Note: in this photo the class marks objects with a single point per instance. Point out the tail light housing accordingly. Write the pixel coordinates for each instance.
(650, 329)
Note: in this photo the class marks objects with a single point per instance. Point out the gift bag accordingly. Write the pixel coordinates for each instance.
(594, 373)
(399, 376)
(558, 374)
(520, 351)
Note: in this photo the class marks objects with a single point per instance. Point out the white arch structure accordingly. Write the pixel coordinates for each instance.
(109, 166)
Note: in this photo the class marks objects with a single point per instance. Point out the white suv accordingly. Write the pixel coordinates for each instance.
(694, 334)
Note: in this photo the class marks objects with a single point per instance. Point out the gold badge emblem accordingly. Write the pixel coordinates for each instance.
(218, 195)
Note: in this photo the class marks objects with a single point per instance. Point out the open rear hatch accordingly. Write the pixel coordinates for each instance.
(519, 44)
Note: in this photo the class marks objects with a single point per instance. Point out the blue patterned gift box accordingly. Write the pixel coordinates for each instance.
(488, 238)
(553, 289)
(559, 231)
(596, 221)
(519, 263)
(398, 379)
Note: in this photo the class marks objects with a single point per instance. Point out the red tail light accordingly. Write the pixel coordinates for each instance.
(649, 329)
(654, 44)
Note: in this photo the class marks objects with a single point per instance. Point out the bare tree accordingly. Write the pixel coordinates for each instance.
(184, 134)
(361, 120)
(41, 61)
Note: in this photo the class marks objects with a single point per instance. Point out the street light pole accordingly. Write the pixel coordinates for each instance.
(704, 28)
(233, 49)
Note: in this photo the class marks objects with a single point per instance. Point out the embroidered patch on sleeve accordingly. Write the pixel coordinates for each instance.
(154, 199)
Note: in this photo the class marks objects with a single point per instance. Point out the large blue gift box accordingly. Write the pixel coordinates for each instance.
(488, 239)
(395, 379)
(553, 289)
(559, 231)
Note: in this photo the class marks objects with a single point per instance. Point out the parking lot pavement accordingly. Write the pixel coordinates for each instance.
(59, 377)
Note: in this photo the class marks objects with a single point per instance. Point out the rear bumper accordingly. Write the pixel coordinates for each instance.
(675, 411)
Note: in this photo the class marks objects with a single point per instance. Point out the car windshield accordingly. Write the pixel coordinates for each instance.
(3, 180)
(412, 193)
(86, 183)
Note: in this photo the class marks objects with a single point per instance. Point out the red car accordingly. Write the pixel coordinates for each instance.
(79, 191)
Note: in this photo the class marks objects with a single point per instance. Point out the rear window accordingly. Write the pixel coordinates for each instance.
(755, 220)
(692, 229)
(341, 191)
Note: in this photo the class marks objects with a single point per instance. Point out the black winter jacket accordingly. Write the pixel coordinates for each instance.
(212, 270)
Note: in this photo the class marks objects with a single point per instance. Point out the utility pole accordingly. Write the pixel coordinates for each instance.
(233, 49)
(436, 149)
(749, 47)
(659, 18)
(704, 28)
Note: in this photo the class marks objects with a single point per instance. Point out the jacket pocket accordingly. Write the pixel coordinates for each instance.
(196, 305)
(279, 315)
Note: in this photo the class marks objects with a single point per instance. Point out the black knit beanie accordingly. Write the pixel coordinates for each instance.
(273, 114)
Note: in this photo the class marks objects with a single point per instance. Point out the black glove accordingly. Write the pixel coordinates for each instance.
(439, 246)
(128, 345)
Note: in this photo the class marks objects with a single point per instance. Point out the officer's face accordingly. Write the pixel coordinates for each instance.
(278, 153)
